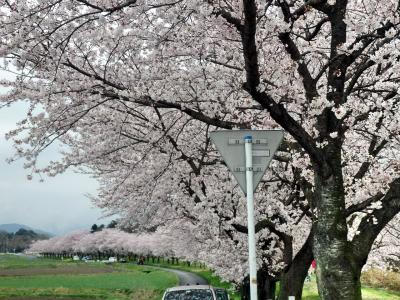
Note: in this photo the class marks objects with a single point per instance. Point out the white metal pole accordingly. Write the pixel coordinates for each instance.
(248, 145)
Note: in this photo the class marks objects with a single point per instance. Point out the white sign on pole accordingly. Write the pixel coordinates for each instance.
(247, 154)
(230, 143)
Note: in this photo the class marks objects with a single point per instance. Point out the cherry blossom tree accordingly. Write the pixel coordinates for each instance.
(108, 242)
(134, 87)
(58, 244)
(385, 253)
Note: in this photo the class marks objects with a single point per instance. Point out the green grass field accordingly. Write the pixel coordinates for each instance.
(27, 278)
(135, 279)
(8, 261)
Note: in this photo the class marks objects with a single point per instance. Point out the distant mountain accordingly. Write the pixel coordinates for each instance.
(13, 228)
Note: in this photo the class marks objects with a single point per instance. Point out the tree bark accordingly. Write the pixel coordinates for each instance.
(338, 275)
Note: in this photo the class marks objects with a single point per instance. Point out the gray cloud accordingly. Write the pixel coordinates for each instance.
(58, 204)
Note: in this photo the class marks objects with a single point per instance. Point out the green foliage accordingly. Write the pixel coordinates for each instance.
(26, 232)
(96, 228)
(112, 224)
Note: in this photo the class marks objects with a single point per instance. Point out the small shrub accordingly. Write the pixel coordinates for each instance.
(381, 279)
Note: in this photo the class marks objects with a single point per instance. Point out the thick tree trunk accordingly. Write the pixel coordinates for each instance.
(338, 275)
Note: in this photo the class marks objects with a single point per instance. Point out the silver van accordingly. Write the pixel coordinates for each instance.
(195, 292)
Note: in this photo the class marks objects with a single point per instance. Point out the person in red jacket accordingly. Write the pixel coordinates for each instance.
(314, 264)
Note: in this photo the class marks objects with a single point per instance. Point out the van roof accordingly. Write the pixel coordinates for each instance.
(190, 287)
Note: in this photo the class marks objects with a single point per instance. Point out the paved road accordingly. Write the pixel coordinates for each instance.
(185, 278)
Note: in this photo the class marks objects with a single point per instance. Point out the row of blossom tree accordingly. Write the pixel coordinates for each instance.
(105, 243)
(115, 242)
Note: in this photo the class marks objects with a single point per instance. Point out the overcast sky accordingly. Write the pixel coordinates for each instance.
(57, 205)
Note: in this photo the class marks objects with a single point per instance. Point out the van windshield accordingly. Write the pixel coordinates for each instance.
(221, 294)
(195, 294)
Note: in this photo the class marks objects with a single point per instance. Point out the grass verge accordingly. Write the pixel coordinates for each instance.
(137, 282)
(310, 292)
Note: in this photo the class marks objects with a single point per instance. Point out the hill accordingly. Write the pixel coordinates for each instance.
(18, 241)
(13, 228)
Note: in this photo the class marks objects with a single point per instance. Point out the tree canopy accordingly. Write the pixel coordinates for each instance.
(133, 88)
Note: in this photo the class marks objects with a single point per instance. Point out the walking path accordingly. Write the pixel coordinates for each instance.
(185, 278)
